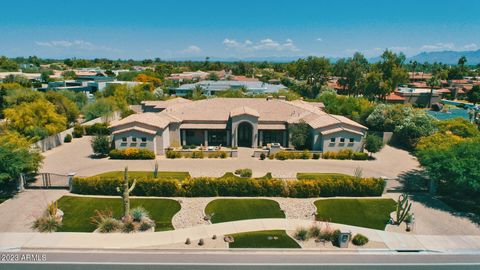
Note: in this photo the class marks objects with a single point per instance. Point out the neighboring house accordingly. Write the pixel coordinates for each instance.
(232, 122)
(210, 88)
(418, 96)
(88, 84)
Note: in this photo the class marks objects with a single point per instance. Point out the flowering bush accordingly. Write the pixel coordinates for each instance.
(131, 153)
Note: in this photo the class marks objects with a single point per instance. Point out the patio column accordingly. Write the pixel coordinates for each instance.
(228, 138)
(184, 137)
(285, 142)
(205, 137)
(260, 138)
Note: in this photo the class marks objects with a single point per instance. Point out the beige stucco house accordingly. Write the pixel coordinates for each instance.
(233, 122)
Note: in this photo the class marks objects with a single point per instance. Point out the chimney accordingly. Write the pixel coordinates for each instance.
(269, 97)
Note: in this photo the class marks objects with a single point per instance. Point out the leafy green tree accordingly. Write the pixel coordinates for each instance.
(100, 145)
(355, 108)
(3, 94)
(69, 75)
(473, 95)
(7, 64)
(315, 71)
(36, 119)
(455, 168)
(16, 157)
(300, 135)
(386, 117)
(213, 76)
(354, 73)
(373, 144)
(22, 80)
(413, 127)
(101, 107)
(63, 106)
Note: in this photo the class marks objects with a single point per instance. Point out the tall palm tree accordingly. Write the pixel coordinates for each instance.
(433, 82)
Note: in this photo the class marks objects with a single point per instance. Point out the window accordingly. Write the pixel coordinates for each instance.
(134, 139)
(144, 139)
(133, 144)
(143, 144)
(123, 144)
(124, 139)
(332, 140)
(342, 140)
(352, 140)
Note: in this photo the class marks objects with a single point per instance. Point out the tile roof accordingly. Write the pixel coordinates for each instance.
(244, 110)
(149, 118)
(139, 129)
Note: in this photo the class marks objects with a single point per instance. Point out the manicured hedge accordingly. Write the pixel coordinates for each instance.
(195, 154)
(131, 153)
(345, 154)
(233, 186)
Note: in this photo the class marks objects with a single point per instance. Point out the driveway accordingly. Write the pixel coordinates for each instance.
(433, 217)
(75, 157)
(18, 213)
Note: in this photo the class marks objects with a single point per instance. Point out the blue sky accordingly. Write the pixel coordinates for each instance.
(180, 29)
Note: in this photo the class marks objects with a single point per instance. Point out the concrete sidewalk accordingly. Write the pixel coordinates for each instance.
(393, 241)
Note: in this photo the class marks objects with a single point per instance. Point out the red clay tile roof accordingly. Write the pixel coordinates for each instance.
(393, 96)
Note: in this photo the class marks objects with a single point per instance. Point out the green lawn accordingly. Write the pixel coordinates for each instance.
(143, 174)
(368, 213)
(238, 209)
(315, 176)
(263, 239)
(79, 210)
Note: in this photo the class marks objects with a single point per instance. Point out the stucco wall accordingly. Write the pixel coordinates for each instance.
(175, 139)
(337, 145)
(129, 135)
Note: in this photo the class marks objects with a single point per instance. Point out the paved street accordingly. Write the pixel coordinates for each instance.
(251, 260)
(75, 157)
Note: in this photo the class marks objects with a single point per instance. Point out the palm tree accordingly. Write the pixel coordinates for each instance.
(433, 82)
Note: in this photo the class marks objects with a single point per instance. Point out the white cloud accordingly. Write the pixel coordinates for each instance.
(266, 44)
(319, 39)
(74, 44)
(192, 49)
(438, 46)
(471, 46)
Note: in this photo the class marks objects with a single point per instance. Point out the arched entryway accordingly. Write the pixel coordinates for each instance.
(245, 134)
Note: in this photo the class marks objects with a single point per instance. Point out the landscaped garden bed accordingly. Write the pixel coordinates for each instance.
(368, 213)
(224, 210)
(79, 211)
(263, 239)
(146, 175)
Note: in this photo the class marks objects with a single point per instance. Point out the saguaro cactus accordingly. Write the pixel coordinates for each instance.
(403, 208)
(126, 193)
(155, 171)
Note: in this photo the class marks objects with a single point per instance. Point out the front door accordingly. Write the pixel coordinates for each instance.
(245, 132)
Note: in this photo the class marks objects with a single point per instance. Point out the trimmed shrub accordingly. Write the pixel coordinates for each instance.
(131, 153)
(359, 156)
(173, 154)
(197, 154)
(359, 240)
(314, 232)
(128, 226)
(189, 146)
(345, 154)
(326, 186)
(217, 154)
(145, 225)
(97, 129)
(100, 145)
(78, 131)
(68, 138)
(244, 172)
(315, 156)
(262, 156)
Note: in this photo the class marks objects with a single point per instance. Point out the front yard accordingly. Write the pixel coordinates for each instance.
(368, 213)
(263, 239)
(224, 210)
(79, 211)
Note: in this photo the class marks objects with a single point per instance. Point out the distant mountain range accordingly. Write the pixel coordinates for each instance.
(446, 57)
